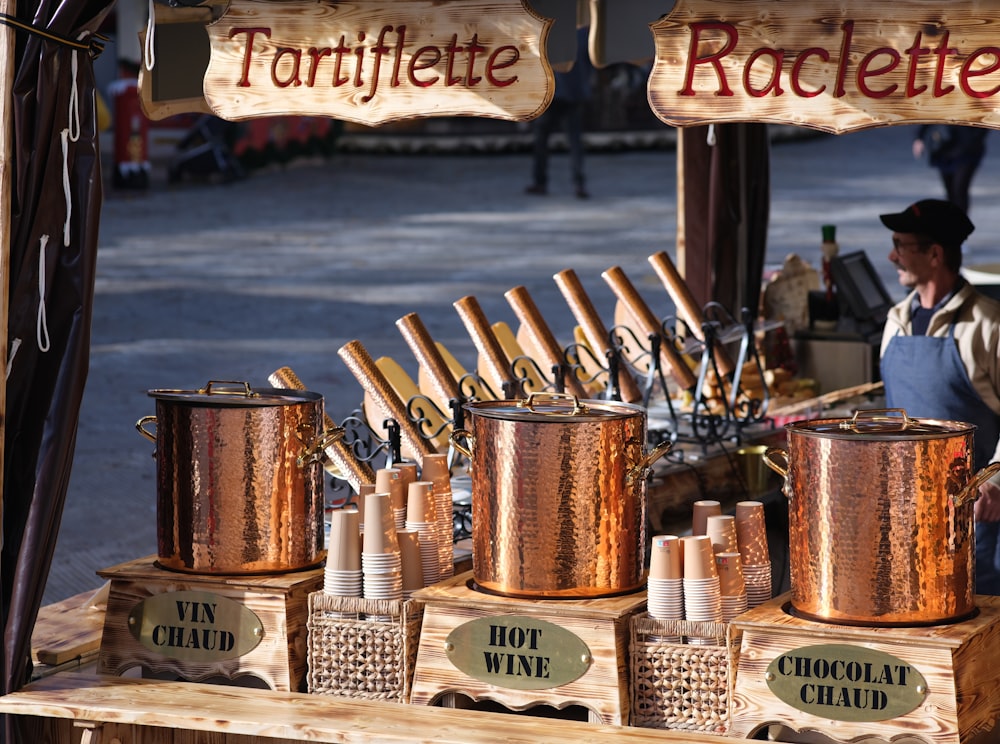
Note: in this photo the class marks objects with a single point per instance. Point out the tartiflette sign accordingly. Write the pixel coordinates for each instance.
(374, 62)
(834, 66)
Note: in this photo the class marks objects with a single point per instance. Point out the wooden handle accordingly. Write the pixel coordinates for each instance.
(593, 327)
(485, 340)
(366, 372)
(687, 306)
(648, 322)
(527, 312)
(346, 464)
(428, 356)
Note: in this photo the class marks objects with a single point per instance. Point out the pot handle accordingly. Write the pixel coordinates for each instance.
(140, 425)
(971, 490)
(777, 459)
(314, 452)
(529, 403)
(647, 461)
(468, 437)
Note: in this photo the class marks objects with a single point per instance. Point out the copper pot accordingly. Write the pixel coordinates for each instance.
(558, 495)
(880, 518)
(239, 478)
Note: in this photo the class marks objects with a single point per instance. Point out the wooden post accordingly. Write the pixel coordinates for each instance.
(8, 7)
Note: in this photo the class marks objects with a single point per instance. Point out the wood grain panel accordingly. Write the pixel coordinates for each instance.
(436, 59)
(833, 65)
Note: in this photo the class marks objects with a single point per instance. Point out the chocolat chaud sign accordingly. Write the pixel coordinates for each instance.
(835, 66)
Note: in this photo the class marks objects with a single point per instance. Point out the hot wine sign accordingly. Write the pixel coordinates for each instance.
(834, 65)
(375, 62)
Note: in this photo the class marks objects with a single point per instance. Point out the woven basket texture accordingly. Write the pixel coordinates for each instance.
(682, 674)
(362, 648)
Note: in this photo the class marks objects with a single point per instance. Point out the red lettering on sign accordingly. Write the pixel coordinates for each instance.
(293, 77)
(712, 59)
(966, 72)
(866, 70)
(942, 53)
(433, 57)
(796, 83)
(915, 52)
(774, 84)
(460, 60)
(251, 33)
(494, 63)
(845, 53)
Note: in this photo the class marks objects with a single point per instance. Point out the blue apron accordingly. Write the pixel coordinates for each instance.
(925, 376)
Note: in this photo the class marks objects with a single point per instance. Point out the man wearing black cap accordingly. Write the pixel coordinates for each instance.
(940, 350)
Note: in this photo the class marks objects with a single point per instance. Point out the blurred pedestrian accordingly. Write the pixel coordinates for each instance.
(567, 109)
(956, 151)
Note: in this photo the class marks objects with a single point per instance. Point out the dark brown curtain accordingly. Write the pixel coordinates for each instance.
(726, 209)
(55, 209)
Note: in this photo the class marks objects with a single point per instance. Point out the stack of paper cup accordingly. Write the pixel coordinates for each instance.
(342, 573)
(409, 556)
(721, 528)
(700, 512)
(435, 469)
(380, 558)
(731, 585)
(387, 480)
(421, 514)
(665, 584)
(363, 490)
(751, 536)
(702, 594)
(407, 475)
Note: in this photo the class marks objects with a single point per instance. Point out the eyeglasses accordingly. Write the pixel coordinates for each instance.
(918, 245)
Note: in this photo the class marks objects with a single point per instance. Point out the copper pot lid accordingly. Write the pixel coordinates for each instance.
(876, 424)
(554, 407)
(227, 393)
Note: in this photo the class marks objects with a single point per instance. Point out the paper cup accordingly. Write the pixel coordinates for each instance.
(344, 549)
(380, 527)
(420, 502)
(729, 566)
(665, 558)
(699, 558)
(387, 480)
(411, 560)
(751, 533)
(721, 528)
(700, 512)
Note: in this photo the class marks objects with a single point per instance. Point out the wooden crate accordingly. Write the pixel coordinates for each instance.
(362, 648)
(677, 684)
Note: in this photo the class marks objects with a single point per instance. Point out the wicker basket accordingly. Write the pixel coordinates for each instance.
(362, 648)
(680, 685)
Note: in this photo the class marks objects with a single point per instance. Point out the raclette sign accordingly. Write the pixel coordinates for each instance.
(834, 66)
(376, 62)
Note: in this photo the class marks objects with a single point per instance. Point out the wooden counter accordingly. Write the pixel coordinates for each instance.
(78, 708)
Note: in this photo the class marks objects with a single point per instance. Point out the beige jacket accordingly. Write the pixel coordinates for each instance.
(977, 332)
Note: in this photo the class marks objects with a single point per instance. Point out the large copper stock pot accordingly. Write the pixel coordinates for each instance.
(239, 478)
(880, 518)
(558, 495)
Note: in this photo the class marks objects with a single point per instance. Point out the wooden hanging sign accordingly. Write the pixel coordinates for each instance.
(375, 61)
(833, 65)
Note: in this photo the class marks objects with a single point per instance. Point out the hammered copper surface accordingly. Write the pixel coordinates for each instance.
(231, 496)
(878, 533)
(556, 511)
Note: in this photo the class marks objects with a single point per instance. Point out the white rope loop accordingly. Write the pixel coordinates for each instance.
(41, 326)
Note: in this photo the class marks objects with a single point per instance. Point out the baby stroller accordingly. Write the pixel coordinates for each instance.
(206, 151)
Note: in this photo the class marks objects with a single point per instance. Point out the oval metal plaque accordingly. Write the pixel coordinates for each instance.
(846, 683)
(518, 652)
(195, 626)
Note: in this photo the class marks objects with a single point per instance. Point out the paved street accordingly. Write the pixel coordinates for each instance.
(229, 282)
